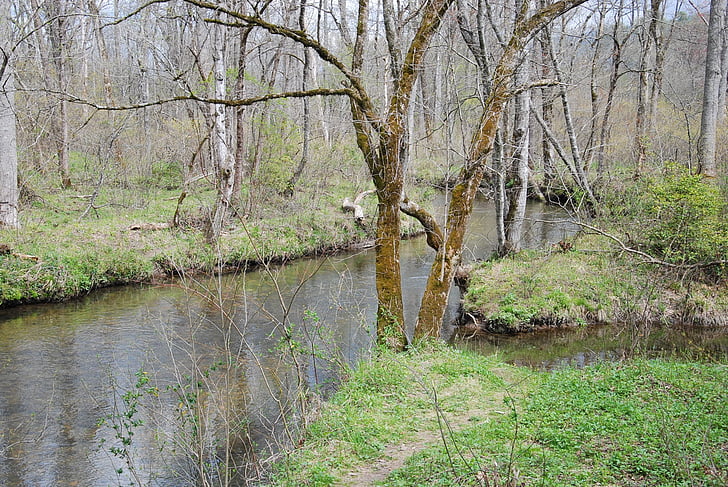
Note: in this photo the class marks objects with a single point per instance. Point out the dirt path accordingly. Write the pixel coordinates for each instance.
(394, 456)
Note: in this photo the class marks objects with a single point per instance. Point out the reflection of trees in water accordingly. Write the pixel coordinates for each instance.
(549, 349)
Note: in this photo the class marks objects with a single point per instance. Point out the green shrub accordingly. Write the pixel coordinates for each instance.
(687, 219)
(166, 175)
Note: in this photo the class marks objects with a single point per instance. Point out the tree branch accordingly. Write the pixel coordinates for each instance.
(192, 97)
(540, 83)
(430, 225)
(648, 259)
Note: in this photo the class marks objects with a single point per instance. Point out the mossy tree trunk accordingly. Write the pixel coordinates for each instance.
(381, 140)
(447, 258)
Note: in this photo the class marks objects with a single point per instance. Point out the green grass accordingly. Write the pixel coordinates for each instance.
(591, 283)
(387, 401)
(652, 423)
(546, 288)
(75, 251)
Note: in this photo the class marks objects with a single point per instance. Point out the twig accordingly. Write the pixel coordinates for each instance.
(92, 199)
(649, 259)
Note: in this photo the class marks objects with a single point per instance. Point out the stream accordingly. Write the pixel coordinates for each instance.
(139, 384)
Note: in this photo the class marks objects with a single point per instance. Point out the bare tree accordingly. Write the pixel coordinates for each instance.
(8, 141)
(713, 73)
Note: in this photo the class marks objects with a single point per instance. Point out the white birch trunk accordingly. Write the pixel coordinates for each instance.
(521, 140)
(222, 157)
(8, 141)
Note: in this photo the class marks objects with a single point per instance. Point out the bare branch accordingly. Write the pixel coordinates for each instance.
(649, 259)
(192, 97)
(540, 83)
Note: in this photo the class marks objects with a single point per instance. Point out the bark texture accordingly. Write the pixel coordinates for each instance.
(8, 141)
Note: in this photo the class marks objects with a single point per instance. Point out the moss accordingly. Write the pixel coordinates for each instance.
(589, 284)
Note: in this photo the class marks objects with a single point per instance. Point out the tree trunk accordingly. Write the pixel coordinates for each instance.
(240, 152)
(613, 79)
(580, 175)
(547, 111)
(391, 330)
(58, 37)
(223, 160)
(641, 128)
(439, 282)
(518, 176)
(8, 141)
(306, 81)
(709, 119)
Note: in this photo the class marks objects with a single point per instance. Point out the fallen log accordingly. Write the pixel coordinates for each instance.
(355, 206)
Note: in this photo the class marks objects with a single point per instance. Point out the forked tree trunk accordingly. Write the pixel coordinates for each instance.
(439, 282)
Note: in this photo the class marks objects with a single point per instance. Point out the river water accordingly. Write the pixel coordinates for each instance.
(145, 385)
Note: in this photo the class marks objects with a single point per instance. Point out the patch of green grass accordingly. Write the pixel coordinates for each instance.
(390, 400)
(653, 423)
(77, 248)
(549, 288)
(592, 283)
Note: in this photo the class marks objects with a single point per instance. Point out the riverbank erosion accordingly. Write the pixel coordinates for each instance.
(584, 281)
(61, 252)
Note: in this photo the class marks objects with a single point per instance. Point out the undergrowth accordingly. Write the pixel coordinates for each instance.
(651, 423)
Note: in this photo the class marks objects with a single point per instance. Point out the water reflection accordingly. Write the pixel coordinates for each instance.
(579, 347)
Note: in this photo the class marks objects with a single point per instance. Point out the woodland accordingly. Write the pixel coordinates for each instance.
(252, 108)
(166, 143)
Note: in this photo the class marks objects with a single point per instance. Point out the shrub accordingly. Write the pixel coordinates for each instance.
(688, 219)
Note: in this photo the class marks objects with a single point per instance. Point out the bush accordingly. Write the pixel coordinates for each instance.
(688, 219)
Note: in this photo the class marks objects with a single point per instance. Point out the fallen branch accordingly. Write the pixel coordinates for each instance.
(150, 226)
(355, 206)
(18, 255)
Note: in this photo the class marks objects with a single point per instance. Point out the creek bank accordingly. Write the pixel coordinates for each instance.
(578, 283)
(72, 260)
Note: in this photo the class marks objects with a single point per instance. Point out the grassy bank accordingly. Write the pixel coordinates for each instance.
(438, 416)
(590, 282)
(70, 244)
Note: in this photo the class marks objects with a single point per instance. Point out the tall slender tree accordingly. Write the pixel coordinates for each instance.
(713, 73)
(8, 140)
